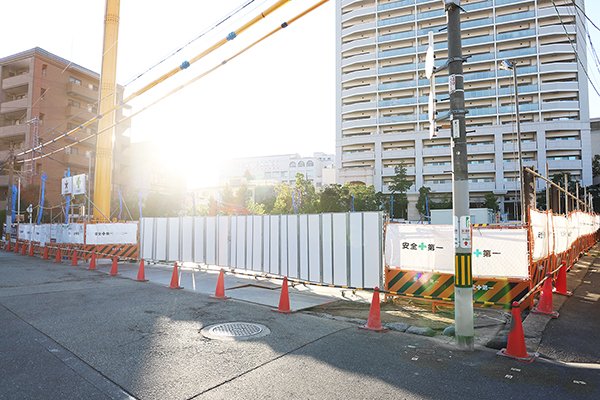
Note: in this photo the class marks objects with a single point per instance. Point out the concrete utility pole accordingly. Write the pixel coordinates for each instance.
(463, 276)
(11, 173)
(104, 143)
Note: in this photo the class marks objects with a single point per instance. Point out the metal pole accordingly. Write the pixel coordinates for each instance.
(577, 186)
(9, 200)
(519, 140)
(566, 197)
(585, 197)
(463, 276)
(547, 187)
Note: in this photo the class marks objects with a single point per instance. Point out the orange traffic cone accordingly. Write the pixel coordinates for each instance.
(560, 286)
(45, 255)
(16, 250)
(175, 279)
(516, 348)
(284, 299)
(141, 277)
(113, 270)
(74, 257)
(220, 291)
(30, 254)
(544, 306)
(23, 249)
(58, 258)
(93, 261)
(374, 321)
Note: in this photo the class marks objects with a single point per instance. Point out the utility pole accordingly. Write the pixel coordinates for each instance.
(463, 275)
(11, 172)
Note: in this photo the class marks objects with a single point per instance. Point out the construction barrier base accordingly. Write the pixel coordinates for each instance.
(364, 328)
(553, 314)
(567, 294)
(522, 359)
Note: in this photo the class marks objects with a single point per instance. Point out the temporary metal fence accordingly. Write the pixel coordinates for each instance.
(334, 248)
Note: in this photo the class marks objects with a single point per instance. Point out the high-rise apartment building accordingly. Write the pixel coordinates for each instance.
(382, 93)
(41, 97)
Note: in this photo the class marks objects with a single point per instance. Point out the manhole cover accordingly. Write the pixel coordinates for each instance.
(235, 331)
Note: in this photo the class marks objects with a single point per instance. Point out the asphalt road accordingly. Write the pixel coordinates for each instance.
(70, 333)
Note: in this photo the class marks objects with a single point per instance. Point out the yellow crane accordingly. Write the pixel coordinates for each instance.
(108, 85)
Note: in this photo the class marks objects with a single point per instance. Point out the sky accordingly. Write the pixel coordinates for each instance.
(277, 98)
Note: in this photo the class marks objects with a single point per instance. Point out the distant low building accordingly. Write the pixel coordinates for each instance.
(273, 170)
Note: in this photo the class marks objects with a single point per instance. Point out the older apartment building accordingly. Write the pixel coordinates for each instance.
(42, 96)
(382, 93)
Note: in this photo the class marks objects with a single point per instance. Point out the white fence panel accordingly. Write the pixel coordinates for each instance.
(274, 240)
(292, 246)
(266, 243)
(257, 245)
(327, 242)
(373, 248)
(500, 253)
(160, 239)
(283, 246)
(146, 236)
(314, 248)
(199, 240)
(340, 250)
(241, 242)
(223, 243)
(303, 245)
(173, 241)
(187, 239)
(211, 240)
(356, 249)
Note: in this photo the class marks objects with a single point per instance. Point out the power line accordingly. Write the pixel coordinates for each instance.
(574, 49)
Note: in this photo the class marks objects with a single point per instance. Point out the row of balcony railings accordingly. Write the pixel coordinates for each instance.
(466, 7)
(468, 95)
(465, 41)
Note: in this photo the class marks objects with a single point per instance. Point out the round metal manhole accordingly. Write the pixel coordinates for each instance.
(235, 331)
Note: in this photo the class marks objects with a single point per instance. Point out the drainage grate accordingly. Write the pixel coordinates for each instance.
(235, 331)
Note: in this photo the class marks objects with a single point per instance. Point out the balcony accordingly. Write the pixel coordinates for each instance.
(358, 91)
(359, 12)
(12, 130)
(555, 48)
(79, 113)
(369, 73)
(437, 169)
(397, 153)
(482, 186)
(479, 149)
(78, 160)
(15, 81)
(364, 155)
(559, 87)
(560, 105)
(563, 144)
(482, 167)
(367, 26)
(82, 92)
(410, 171)
(514, 165)
(559, 67)
(510, 147)
(366, 106)
(363, 42)
(14, 105)
(359, 123)
(359, 58)
(565, 164)
(434, 151)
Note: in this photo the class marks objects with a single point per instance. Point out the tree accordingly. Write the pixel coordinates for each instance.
(422, 204)
(331, 199)
(162, 205)
(596, 166)
(301, 198)
(399, 186)
(227, 195)
(491, 202)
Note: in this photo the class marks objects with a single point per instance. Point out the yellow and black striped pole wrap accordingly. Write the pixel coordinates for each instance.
(463, 274)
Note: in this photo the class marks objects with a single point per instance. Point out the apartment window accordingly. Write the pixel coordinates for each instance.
(301, 164)
(292, 165)
(44, 69)
(310, 174)
(284, 174)
(41, 119)
(93, 87)
(74, 80)
(267, 175)
(309, 163)
(71, 150)
(276, 174)
(42, 94)
(74, 103)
